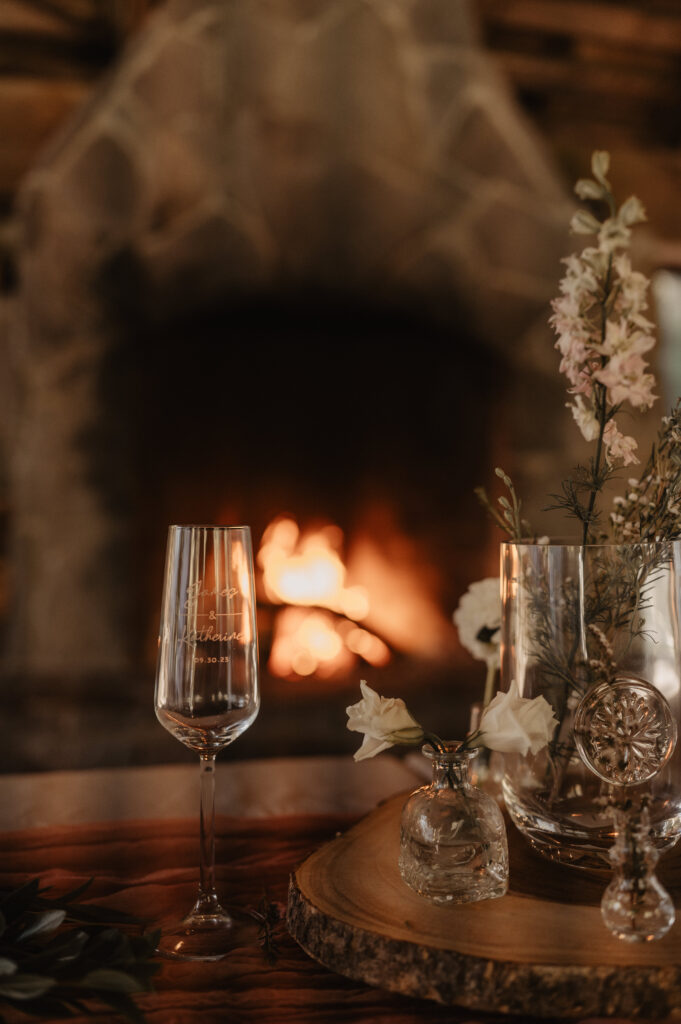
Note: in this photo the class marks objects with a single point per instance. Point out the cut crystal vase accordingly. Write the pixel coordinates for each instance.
(576, 618)
(452, 838)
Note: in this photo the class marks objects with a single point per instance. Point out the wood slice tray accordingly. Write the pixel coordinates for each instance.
(541, 950)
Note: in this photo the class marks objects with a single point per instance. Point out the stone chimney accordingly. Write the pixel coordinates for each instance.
(242, 147)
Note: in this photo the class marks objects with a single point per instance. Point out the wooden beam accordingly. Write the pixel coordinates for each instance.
(549, 74)
(19, 18)
(54, 18)
(637, 28)
(31, 110)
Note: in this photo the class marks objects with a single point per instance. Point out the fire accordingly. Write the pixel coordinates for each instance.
(307, 643)
(382, 586)
(307, 570)
(318, 633)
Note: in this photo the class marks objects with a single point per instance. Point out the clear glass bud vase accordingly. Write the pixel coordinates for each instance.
(453, 841)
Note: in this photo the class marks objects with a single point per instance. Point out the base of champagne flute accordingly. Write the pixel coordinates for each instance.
(206, 936)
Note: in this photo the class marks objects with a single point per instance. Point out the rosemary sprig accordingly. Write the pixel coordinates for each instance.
(268, 916)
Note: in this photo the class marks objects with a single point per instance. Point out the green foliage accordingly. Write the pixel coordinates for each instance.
(56, 955)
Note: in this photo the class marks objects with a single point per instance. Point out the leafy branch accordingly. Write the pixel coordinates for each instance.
(50, 969)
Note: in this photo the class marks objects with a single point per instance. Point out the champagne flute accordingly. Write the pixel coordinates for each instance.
(207, 692)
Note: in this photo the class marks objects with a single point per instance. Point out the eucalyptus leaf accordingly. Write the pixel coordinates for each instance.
(26, 986)
(43, 924)
(51, 969)
(62, 949)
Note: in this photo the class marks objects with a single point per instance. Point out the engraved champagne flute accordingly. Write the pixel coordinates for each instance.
(206, 692)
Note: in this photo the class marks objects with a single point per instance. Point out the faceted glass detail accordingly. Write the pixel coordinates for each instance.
(625, 731)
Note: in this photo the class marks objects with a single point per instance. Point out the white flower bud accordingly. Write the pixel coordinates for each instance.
(632, 211)
(584, 223)
(588, 189)
(600, 165)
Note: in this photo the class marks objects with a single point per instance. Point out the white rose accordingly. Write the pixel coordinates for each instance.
(384, 722)
(513, 724)
(478, 620)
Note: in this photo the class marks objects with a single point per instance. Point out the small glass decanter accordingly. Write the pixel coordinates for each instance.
(635, 906)
(453, 841)
(625, 733)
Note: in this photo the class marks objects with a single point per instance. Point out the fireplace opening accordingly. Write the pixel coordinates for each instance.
(370, 423)
(350, 429)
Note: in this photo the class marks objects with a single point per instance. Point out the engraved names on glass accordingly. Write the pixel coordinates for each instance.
(207, 692)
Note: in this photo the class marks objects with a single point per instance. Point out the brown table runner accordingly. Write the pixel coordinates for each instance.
(150, 869)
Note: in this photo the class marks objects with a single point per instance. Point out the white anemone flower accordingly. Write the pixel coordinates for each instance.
(478, 620)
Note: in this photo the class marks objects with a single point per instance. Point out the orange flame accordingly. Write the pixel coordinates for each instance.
(386, 586)
(307, 573)
(308, 570)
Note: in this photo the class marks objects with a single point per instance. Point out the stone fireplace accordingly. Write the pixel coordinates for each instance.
(291, 257)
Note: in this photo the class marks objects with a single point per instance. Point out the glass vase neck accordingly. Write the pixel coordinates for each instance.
(450, 766)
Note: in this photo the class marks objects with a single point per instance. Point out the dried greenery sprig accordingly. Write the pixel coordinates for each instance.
(57, 955)
(269, 917)
(509, 518)
(651, 508)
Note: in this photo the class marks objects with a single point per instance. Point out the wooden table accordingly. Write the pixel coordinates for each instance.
(135, 831)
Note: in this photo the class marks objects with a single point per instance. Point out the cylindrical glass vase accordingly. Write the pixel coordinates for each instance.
(452, 837)
(575, 617)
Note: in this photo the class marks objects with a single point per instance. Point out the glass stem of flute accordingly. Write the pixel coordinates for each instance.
(207, 877)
